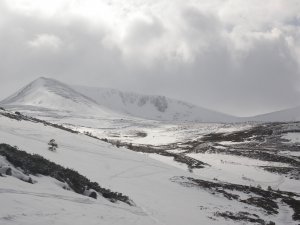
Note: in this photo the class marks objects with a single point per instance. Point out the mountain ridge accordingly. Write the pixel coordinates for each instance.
(155, 107)
(45, 94)
(285, 115)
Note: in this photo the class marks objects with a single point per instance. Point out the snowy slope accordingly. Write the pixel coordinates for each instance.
(291, 114)
(46, 94)
(47, 202)
(147, 181)
(152, 106)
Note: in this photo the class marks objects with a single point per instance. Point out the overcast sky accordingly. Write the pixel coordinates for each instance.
(235, 56)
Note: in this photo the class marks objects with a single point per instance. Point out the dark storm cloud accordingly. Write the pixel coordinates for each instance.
(189, 52)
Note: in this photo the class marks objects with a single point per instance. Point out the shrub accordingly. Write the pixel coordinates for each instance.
(270, 188)
(52, 145)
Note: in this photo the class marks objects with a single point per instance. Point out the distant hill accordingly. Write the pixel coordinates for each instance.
(291, 114)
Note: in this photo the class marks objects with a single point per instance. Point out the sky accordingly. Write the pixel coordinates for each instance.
(240, 57)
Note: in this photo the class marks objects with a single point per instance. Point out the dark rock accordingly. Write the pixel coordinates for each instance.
(8, 171)
(93, 195)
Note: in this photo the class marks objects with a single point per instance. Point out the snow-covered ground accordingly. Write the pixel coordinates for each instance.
(46, 202)
(242, 170)
(126, 128)
(145, 178)
(292, 137)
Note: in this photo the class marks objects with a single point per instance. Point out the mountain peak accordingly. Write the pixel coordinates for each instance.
(45, 81)
(52, 94)
(42, 79)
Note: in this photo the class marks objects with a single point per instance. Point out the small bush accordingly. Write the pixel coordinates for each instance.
(270, 188)
(141, 134)
(52, 145)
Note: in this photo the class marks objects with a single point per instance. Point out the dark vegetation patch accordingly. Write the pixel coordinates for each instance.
(291, 131)
(263, 199)
(257, 133)
(141, 134)
(267, 204)
(181, 158)
(291, 172)
(295, 204)
(261, 154)
(268, 133)
(263, 142)
(244, 217)
(18, 116)
(36, 164)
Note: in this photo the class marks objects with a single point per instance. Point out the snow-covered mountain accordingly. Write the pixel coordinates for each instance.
(151, 106)
(49, 94)
(291, 114)
(44, 94)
